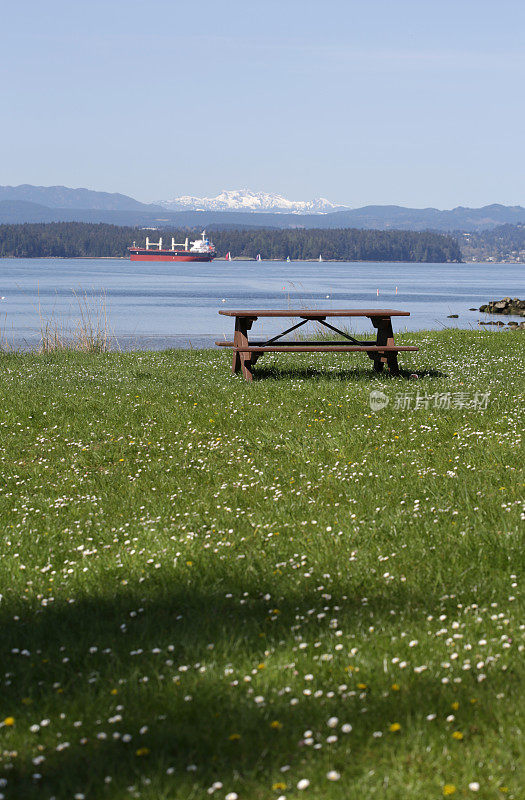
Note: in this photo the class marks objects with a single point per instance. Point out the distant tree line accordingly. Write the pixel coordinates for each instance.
(345, 244)
(95, 240)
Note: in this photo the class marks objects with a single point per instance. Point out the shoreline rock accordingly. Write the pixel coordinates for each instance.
(508, 305)
(512, 325)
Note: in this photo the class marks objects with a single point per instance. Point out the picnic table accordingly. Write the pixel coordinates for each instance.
(382, 351)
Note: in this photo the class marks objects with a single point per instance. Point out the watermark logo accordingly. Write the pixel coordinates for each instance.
(378, 400)
(443, 401)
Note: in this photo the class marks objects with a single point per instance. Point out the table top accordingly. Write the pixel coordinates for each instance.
(306, 313)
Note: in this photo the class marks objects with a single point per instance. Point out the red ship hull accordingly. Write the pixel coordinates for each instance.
(168, 255)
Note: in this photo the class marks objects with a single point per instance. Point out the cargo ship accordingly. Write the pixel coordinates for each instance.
(199, 250)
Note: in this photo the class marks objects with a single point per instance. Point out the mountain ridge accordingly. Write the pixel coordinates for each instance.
(65, 197)
(16, 206)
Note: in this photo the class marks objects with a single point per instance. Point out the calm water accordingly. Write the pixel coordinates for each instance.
(175, 305)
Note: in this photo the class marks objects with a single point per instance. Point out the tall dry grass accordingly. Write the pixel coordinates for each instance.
(5, 345)
(89, 331)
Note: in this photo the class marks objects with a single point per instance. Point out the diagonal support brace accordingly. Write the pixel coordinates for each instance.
(333, 328)
(288, 330)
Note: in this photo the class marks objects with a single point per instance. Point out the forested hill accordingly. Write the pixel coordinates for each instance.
(77, 239)
(505, 243)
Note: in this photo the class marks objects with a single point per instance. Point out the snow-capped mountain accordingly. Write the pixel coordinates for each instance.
(246, 200)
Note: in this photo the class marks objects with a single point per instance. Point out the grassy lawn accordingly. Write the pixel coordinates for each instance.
(210, 588)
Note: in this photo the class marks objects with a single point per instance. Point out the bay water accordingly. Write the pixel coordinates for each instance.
(158, 305)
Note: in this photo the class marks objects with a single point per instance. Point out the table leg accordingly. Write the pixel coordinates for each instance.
(239, 338)
(385, 335)
(246, 366)
(242, 362)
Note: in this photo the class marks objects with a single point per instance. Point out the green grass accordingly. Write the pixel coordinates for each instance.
(196, 572)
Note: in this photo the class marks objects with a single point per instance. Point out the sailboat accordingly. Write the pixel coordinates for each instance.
(228, 256)
(320, 258)
(287, 259)
(258, 258)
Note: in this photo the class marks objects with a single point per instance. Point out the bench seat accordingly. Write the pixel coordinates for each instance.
(319, 348)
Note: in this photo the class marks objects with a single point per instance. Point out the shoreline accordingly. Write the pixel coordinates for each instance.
(264, 261)
(205, 342)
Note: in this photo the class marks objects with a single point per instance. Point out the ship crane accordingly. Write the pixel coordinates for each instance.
(175, 244)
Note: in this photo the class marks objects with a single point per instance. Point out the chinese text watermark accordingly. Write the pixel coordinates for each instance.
(440, 400)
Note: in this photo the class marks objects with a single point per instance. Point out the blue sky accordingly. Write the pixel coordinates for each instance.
(412, 102)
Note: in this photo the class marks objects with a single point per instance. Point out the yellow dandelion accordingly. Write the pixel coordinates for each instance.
(395, 726)
(278, 785)
(8, 721)
(361, 685)
(448, 788)
(457, 735)
(261, 666)
(395, 687)
(454, 706)
(233, 737)
(276, 724)
(114, 691)
(142, 751)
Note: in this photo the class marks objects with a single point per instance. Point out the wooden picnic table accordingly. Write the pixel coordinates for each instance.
(382, 350)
